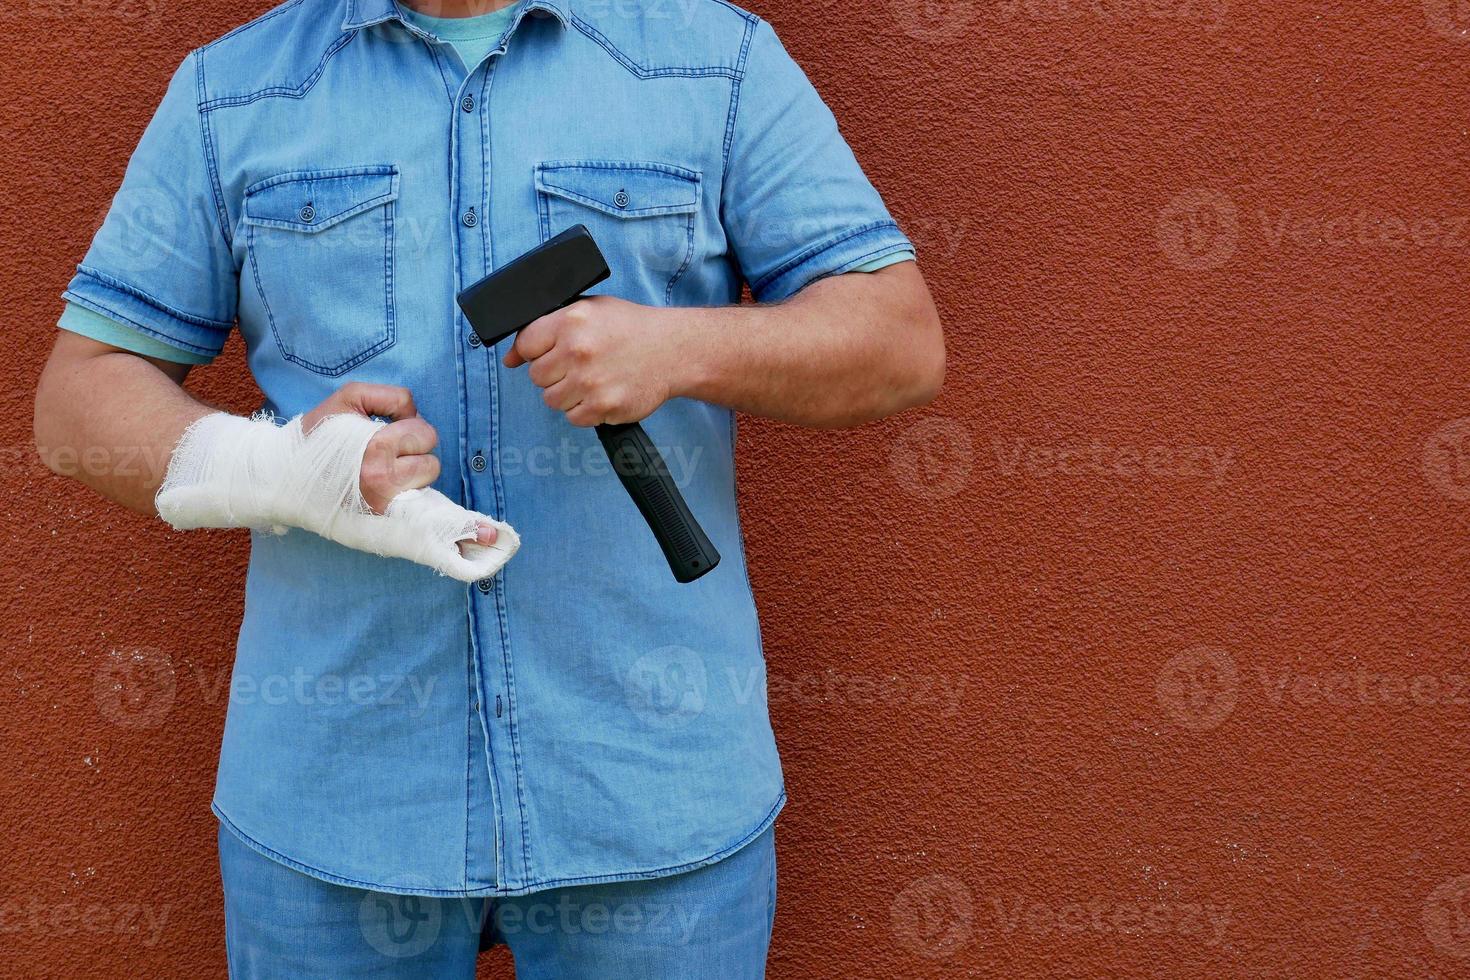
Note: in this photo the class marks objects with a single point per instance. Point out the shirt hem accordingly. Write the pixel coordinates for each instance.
(124, 336)
(834, 256)
(118, 301)
(491, 890)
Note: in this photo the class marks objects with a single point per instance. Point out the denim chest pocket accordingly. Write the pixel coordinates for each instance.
(320, 247)
(642, 214)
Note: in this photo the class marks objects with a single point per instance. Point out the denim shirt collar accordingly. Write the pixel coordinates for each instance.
(366, 13)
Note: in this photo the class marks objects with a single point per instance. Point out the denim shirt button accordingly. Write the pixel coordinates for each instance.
(484, 586)
(474, 339)
(478, 463)
(468, 103)
(308, 213)
(621, 199)
(469, 218)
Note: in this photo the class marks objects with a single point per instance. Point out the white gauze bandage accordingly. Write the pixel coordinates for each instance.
(235, 472)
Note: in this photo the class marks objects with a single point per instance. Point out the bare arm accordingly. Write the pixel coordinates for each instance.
(843, 351)
(110, 418)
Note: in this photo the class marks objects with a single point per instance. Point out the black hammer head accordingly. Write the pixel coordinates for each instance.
(544, 279)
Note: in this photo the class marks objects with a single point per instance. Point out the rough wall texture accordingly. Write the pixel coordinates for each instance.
(1142, 651)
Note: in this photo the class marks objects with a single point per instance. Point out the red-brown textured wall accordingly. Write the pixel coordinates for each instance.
(1143, 651)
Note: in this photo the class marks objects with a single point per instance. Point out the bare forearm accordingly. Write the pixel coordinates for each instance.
(111, 419)
(844, 351)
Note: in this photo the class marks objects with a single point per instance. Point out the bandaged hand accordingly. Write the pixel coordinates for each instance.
(338, 473)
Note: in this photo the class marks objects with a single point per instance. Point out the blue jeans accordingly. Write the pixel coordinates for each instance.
(713, 923)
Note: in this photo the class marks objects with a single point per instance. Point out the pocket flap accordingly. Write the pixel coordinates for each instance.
(623, 190)
(311, 201)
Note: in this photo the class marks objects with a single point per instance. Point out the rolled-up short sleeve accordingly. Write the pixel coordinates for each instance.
(161, 262)
(796, 205)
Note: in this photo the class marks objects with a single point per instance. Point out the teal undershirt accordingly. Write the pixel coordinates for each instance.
(124, 336)
(474, 38)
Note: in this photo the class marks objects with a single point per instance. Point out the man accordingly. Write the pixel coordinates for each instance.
(573, 753)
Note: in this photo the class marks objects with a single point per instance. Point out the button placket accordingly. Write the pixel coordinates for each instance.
(499, 675)
(493, 683)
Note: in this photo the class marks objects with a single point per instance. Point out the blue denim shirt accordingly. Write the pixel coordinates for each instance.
(328, 177)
